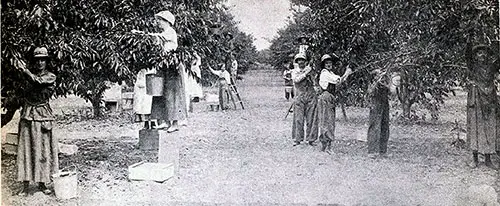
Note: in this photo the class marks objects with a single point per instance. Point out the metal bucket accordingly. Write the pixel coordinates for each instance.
(65, 185)
(154, 85)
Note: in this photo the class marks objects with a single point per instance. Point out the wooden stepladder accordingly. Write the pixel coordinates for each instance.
(234, 91)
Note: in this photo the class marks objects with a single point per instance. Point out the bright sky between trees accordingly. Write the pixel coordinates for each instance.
(261, 18)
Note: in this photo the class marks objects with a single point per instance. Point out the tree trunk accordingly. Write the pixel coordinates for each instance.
(406, 110)
(96, 105)
(342, 106)
(96, 100)
(404, 96)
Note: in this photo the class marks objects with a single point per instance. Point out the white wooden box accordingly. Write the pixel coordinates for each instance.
(158, 172)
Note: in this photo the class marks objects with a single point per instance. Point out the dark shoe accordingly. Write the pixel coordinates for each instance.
(475, 158)
(44, 189)
(323, 146)
(296, 143)
(24, 190)
(488, 162)
(491, 165)
(326, 146)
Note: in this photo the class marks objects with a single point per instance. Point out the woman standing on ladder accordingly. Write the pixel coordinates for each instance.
(169, 108)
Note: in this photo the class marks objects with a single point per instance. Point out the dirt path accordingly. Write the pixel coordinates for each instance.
(246, 157)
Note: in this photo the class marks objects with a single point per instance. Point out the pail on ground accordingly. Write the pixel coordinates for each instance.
(154, 85)
(65, 185)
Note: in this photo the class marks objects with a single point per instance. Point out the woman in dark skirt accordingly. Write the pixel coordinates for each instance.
(37, 152)
(482, 106)
(170, 108)
(378, 126)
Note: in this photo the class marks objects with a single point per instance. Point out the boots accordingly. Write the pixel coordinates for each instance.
(475, 157)
(44, 188)
(326, 145)
(487, 161)
(24, 190)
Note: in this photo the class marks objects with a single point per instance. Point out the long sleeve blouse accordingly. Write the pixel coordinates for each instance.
(37, 95)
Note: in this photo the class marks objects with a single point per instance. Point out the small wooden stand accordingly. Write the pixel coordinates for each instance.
(149, 139)
(169, 151)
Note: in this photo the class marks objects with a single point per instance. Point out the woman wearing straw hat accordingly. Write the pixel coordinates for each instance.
(170, 108)
(37, 151)
(224, 81)
(328, 79)
(304, 107)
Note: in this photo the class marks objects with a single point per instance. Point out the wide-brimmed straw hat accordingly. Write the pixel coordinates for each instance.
(326, 57)
(167, 16)
(299, 56)
(302, 36)
(332, 57)
(41, 52)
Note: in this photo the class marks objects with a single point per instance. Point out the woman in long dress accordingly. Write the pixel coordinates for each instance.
(37, 151)
(482, 106)
(142, 101)
(197, 90)
(194, 90)
(170, 108)
(224, 81)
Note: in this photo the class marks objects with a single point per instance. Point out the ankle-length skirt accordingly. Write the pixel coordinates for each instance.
(37, 151)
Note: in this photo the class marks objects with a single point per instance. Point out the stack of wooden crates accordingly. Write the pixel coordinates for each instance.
(167, 146)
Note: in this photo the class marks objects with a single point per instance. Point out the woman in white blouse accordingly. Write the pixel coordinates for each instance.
(328, 79)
